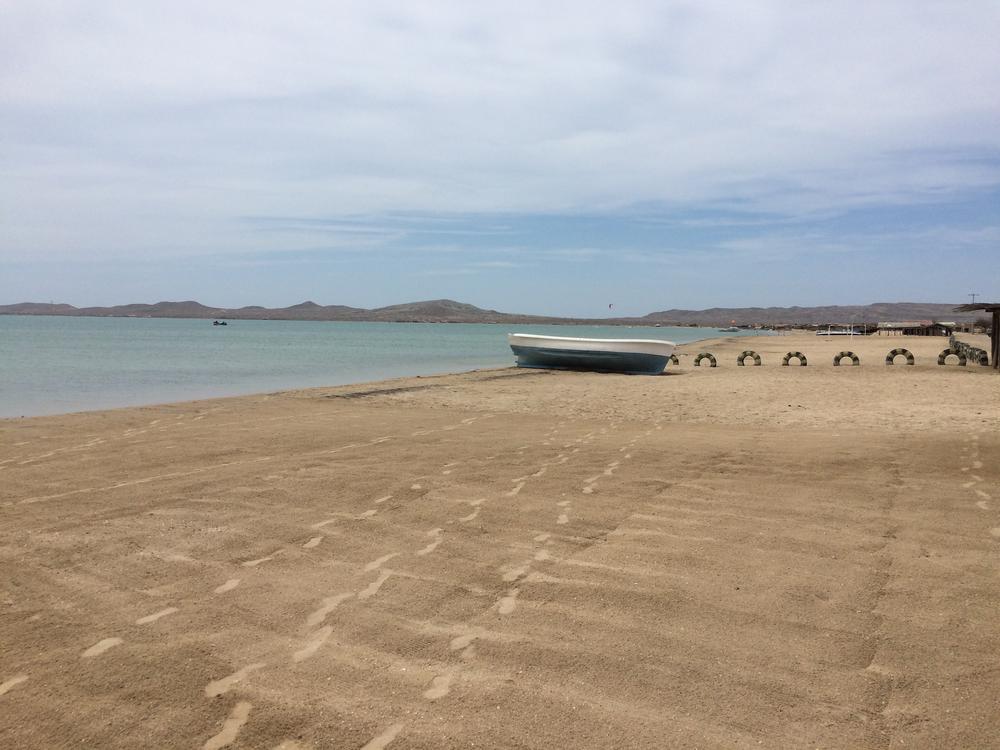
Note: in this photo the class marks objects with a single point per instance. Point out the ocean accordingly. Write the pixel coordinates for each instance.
(53, 365)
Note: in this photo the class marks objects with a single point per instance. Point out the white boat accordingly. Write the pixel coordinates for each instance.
(638, 356)
(838, 332)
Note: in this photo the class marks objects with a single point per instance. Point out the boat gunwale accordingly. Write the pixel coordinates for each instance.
(544, 337)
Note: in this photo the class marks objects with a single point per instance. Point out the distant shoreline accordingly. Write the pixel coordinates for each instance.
(514, 320)
(450, 311)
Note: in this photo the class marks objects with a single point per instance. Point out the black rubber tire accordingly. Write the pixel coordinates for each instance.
(943, 356)
(890, 358)
(794, 355)
(856, 361)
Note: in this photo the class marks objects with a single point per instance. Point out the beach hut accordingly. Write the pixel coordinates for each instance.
(994, 309)
(916, 328)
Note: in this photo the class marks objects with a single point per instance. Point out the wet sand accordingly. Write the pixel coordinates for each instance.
(716, 557)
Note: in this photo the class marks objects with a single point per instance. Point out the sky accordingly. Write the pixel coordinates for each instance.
(550, 157)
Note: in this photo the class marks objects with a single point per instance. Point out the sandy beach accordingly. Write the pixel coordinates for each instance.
(784, 557)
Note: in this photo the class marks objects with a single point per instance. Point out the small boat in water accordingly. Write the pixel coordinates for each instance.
(635, 356)
(731, 329)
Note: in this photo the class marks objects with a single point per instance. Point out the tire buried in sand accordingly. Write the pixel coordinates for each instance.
(943, 357)
(794, 355)
(855, 359)
(890, 358)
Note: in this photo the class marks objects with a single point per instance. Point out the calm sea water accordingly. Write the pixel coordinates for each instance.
(51, 365)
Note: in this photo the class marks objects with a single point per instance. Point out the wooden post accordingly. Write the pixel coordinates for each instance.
(995, 338)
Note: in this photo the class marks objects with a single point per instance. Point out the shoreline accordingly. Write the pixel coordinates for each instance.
(210, 392)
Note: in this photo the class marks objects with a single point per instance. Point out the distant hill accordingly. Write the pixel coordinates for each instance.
(449, 311)
(880, 311)
(431, 311)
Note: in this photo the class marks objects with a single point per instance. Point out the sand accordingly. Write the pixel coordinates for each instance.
(716, 557)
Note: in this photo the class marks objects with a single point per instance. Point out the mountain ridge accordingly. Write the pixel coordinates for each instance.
(450, 311)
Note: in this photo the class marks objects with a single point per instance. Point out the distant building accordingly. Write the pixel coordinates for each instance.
(916, 328)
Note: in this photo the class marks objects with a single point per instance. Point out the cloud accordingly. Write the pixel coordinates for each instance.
(131, 128)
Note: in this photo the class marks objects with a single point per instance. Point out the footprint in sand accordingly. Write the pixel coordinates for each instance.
(313, 542)
(513, 574)
(260, 560)
(372, 588)
(416, 487)
(100, 647)
(220, 687)
(984, 495)
(383, 740)
(227, 586)
(470, 517)
(7, 685)
(509, 602)
(318, 639)
(543, 537)
(230, 728)
(381, 500)
(436, 534)
(376, 564)
(977, 464)
(321, 524)
(440, 685)
(542, 555)
(564, 503)
(982, 505)
(155, 616)
(563, 519)
(367, 514)
(517, 489)
(330, 603)
(465, 640)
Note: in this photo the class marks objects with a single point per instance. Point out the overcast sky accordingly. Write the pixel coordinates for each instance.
(532, 157)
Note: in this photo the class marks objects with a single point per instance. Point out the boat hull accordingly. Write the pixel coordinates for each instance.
(596, 355)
